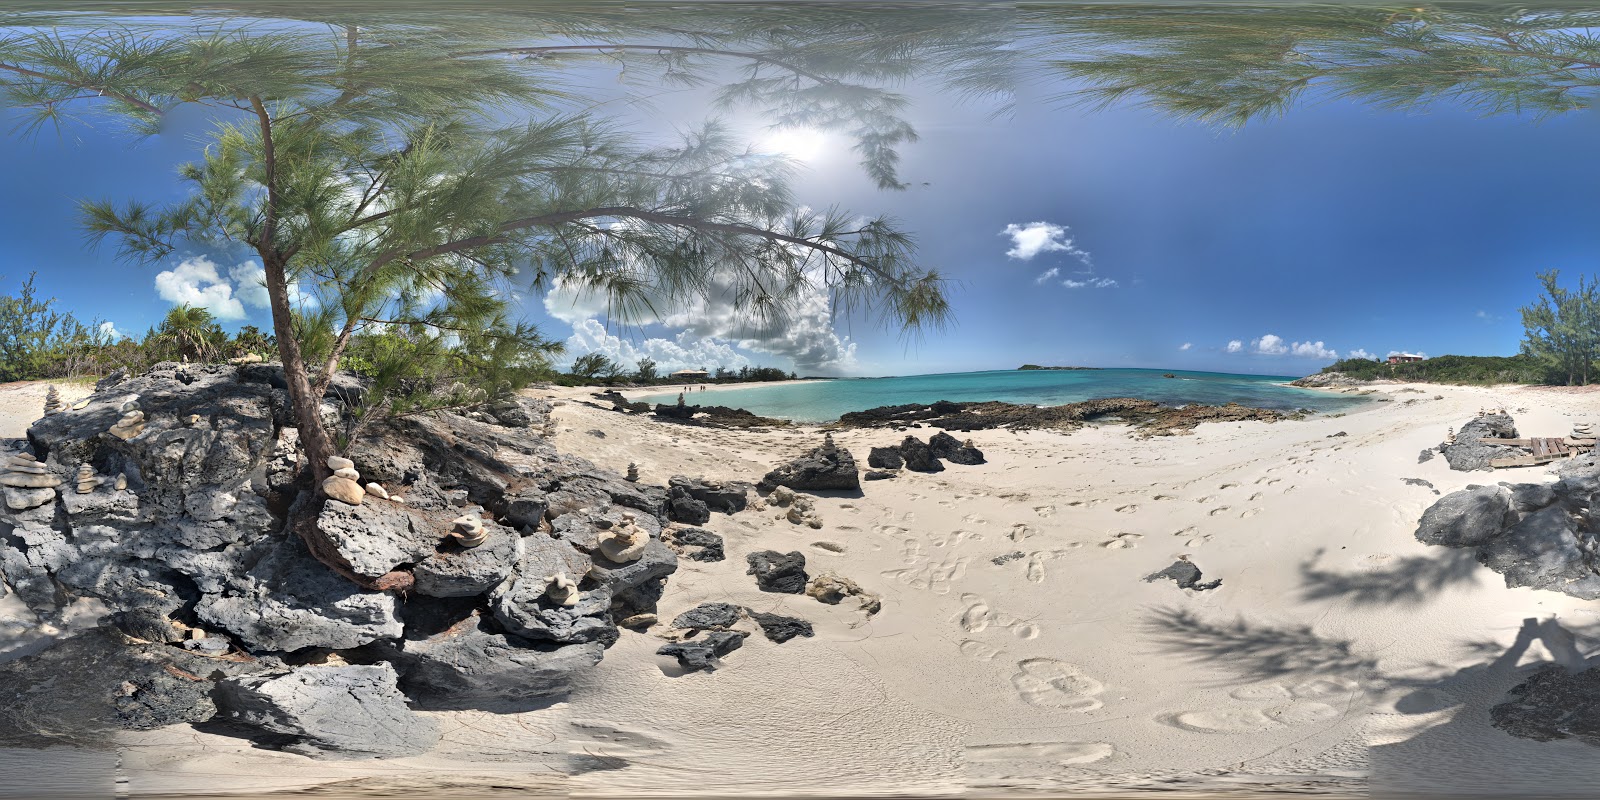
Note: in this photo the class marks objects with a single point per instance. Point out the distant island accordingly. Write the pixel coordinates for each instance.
(1036, 366)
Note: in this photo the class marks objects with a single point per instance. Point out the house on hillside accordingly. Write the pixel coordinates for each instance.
(1404, 358)
(690, 375)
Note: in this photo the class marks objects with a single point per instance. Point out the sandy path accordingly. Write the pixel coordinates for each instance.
(1338, 652)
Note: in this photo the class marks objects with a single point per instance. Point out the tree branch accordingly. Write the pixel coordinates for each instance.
(659, 49)
(100, 91)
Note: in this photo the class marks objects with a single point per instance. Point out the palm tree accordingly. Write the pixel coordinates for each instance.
(190, 333)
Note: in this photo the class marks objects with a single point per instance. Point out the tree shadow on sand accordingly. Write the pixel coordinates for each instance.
(1412, 580)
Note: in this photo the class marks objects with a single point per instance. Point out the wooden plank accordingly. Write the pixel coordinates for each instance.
(1522, 461)
(1508, 442)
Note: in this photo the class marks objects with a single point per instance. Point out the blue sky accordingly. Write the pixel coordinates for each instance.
(1335, 229)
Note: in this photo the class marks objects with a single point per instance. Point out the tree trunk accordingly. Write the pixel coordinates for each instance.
(314, 439)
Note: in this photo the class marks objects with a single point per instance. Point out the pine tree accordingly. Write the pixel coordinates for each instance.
(1562, 328)
(406, 170)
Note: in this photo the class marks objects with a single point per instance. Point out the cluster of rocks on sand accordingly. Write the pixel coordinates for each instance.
(1147, 416)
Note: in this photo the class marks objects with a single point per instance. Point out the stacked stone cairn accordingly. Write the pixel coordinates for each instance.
(28, 484)
(52, 401)
(469, 532)
(87, 480)
(344, 485)
(624, 543)
(132, 422)
(562, 590)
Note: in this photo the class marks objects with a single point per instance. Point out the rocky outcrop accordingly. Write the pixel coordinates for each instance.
(885, 458)
(1538, 535)
(1329, 380)
(955, 451)
(704, 652)
(691, 501)
(826, 467)
(1186, 575)
(1467, 453)
(709, 616)
(919, 456)
(695, 544)
(778, 628)
(1149, 417)
(505, 556)
(330, 711)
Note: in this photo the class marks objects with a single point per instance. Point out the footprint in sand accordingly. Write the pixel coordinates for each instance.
(909, 516)
(1218, 510)
(891, 530)
(1162, 497)
(976, 618)
(1049, 683)
(1020, 531)
(1122, 541)
(1056, 752)
(1248, 513)
(1128, 509)
(913, 551)
(830, 547)
(1255, 497)
(1045, 511)
(977, 650)
(974, 519)
(1204, 500)
(1228, 486)
(1272, 706)
(935, 577)
(1035, 570)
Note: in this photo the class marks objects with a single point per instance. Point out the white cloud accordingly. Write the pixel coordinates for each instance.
(1313, 350)
(1235, 346)
(1271, 345)
(1186, 345)
(683, 352)
(1407, 353)
(1092, 283)
(1047, 275)
(195, 282)
(251, 281)
(110, 331)
(1034, 238)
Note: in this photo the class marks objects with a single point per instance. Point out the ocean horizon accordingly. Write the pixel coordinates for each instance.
(826, 400)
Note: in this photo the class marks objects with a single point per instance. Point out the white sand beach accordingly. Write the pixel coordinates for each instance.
(1019, 646)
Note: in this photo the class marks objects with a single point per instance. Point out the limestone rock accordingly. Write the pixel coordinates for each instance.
(1467, 453)
(469, 530)
(783, 573)
(340, 462)
(703, 653)
(331, 711)
(709, 616)
(954, 451)
(1553, 704)
(919, 456)
(885, 458)
(344, 490)
(832, 588)
(879, 474)
(728, 497)
(695, 544)
(348, 473)
(1185, 574)
(377, 490)
(1545, 551)
(625, 542)
(466, 571)
(1467, 518)
(375, 538)
(52, 401)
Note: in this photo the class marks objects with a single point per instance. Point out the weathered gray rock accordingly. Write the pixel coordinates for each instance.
(521, 605)
(375, 538)
(826, 467)
(1553, 704)
(783, 573)
(657, 561)
(885, 458)
(1469, 454)
(330, 711)
(289, 601)
(918, 456)
(1467, 518)
(728, 497)
(685, 509)
(709, 616)
(695, 544)
(879, 474)
(780, 629)
(1527, 498)
(468, 663)
(703, 652)
(456, 571)
(1546, 551)
(1186, 575)
(954, 450)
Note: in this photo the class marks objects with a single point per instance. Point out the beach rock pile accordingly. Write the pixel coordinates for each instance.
(708, 633)
(52, 401)
(1538, 535)
(919, 456)
(826, 467)
(1554, 704)
(800, 509)
(506, 562)
(783, 573)
(1185, 574)
(695, 544)
(691, 501)
(1149, 417)
(1466, 452)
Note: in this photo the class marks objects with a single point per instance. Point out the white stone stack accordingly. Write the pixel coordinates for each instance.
(132, 422)
(562, 590)
(625, 542)
(87, 481)
(469, 530)
(52, 401)
(27, 483)
(1582, 430)
(345, 483)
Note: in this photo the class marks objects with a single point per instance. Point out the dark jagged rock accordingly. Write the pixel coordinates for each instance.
(783, 573)
(681, 507)
(330, 711)
(919, 456)
(1468, 453)
(709, 616)
(1002, 559)
(728, 497)
(885, 458)
(780, 629)
(1426, 455)
(1467, 518)
(467, 662)
(714, 416)
(81, 690)
(696, 544)
(1553, 704)
(826, 467)
(703, 652)
(879, 474)
(953, 450)
(1545, 551)
(451, 570)
(376, 537)
(1186, 575)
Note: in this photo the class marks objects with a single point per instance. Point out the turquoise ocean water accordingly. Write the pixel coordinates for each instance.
(826, 400)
